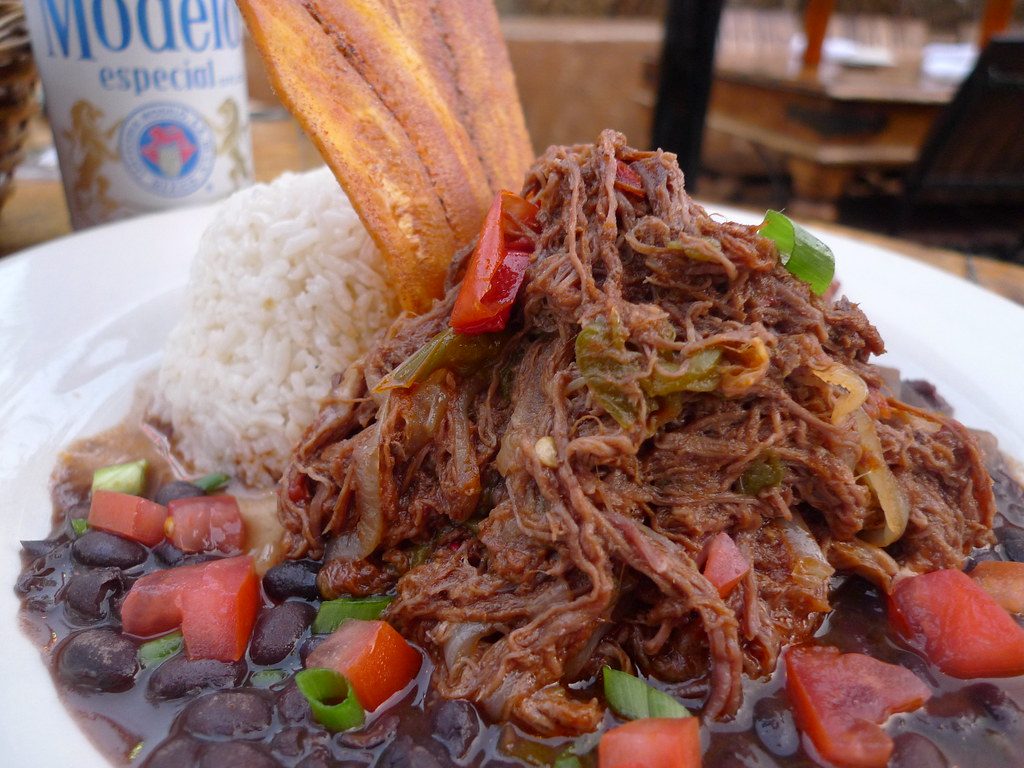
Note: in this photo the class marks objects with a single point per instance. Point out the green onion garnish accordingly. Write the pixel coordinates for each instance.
(123, 478)
(632, 698)
(802, 253)
(333, 612)
(155, 651)
(567, 759)
(212, 482)
(265, 678)
(331, 698)
(79, 525)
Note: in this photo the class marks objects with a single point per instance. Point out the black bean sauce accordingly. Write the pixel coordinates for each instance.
(184, 713)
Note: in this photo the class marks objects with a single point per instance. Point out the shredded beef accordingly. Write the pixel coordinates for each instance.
(520, 575)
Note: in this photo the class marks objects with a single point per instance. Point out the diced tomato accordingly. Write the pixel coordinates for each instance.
(958, 626)
(497, 266)
(130, 516)
(214, 603)
(1004, 581)
(374, 658)
(298, 488)
(841, 699)
(725, 565)
(628, 180)
(655, 742)
(206, 524)
(218, 613)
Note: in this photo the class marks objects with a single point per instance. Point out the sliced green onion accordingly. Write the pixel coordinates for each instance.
(212, 482)
(265, 678)
(802, 253)
(331, 698)
(123, 478)
(79, 525)
(632, 698)
(155, 651)
(567, 759)
(333, 612)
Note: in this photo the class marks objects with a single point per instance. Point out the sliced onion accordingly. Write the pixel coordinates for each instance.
(360, 543)
(463, 641)
(882, 482)
(810, 567)
(856, 390)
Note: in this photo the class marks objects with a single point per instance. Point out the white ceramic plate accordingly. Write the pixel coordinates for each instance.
(82, 318)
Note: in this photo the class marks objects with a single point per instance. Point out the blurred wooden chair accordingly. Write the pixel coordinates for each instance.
(974, 153)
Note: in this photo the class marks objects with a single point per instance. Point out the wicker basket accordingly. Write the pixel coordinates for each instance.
(17, 89)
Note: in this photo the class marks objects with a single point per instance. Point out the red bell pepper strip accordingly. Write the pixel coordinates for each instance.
(654, 742)
(373, 657)
(1004, 581)
(957, 625)
(841, 699)
(132, 517)
(214, 603)
(206, 524)
(628, 180)
(496, 267)
(725, 565)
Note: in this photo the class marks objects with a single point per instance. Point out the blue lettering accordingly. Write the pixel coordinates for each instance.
(61, 28)
(146, 33)
(232, 25)
(188, 20)
(123, 20)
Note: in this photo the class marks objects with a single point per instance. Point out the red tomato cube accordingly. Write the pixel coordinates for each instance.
(376, 660)
(130, 516)
(654, 742)
(214, 603)
(206, 524)
(958, 626)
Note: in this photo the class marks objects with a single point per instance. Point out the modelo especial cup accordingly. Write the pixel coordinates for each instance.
(147, 100)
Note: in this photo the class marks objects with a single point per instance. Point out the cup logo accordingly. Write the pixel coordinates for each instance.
(168, 149)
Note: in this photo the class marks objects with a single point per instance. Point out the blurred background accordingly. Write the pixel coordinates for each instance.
(900, 117)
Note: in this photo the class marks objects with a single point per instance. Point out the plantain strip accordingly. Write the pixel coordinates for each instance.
(377, 49)
(486, 80)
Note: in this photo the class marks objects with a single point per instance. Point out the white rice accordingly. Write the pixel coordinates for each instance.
(286, 290)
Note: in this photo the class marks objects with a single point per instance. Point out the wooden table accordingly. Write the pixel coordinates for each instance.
(828, 124)
(36, 211)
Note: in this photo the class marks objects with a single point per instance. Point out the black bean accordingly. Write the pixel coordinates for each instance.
(168, 554)
(740, 754)
(996, 705)
(913, 750)
(277, 629)
(237, 714)
(180, 676)
(457, 726)
(379, 732)
(1013, 542)
(106, 549)
(39, 547)
(403, 753)
(173, 753)
(177, 489)
(775, 728)
(86, 593)
(309, 645)
(295, 741)
(291, 704)
(320, 758)
(292, 578)
(235, 754)
(98, 659)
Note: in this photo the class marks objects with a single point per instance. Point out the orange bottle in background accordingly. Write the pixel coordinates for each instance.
(816, 16)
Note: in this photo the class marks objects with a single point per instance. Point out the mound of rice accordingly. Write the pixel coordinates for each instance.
(286, 290)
